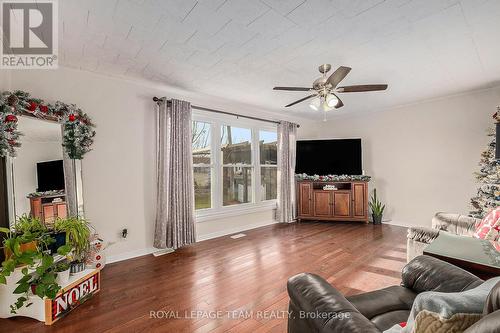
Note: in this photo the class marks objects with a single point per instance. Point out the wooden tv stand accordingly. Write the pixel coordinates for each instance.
(349, 202)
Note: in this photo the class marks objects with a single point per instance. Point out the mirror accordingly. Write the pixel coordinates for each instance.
(41, 180)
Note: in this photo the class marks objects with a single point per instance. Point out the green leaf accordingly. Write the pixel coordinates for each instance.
(21, 288)
(40, 290)
(9, 265)
(24, 270)
(16, 247)
(4, 230)
(3, 280)
(47, 260)
(64, 250)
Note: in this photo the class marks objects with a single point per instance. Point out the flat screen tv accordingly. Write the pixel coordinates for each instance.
(329, 157)
(50, 176)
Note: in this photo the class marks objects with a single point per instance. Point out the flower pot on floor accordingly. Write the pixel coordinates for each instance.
(377, 219)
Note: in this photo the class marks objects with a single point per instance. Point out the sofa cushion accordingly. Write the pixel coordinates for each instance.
(489, 226)
(374, 303)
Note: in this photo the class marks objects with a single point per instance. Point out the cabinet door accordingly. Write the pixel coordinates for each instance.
(49, 213)
(341, 204)
(305, 199)
(61, 210)
(36, 207)
(359, 199)
(322, 203)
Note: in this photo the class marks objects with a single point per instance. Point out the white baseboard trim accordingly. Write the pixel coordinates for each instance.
(397, 224)
(235, 230)
(129, 255)
(142, 252)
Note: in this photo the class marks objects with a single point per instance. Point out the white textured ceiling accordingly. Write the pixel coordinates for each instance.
(240, 49)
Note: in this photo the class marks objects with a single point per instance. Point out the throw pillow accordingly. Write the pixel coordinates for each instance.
(489, 226)
(437, 312)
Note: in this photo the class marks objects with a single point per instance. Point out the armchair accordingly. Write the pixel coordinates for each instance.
(419, 237)
(316, 306)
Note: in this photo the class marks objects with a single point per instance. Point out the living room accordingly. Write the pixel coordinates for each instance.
(237, 166)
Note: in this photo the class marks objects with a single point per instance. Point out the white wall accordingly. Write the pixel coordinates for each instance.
(118, 175)
(422, 156)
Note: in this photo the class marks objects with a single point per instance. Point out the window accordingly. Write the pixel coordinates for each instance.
(234, 164)
(236, 156)
(268, 142)
(202, 165)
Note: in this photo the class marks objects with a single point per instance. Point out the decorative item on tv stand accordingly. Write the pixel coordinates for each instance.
(329, 187)
(34, 279)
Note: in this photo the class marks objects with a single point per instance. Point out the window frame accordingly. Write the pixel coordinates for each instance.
(217, 209)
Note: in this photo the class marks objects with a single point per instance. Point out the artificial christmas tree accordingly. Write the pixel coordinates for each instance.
(488, 177)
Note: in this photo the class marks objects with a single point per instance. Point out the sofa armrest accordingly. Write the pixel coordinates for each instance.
(455, 223)
(422, 234)
(323, 307)
(425, 273)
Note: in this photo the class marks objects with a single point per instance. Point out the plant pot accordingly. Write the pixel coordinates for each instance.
(62, 278)
(60, 240)
(377, 219)
(31, 246)
(76, 267)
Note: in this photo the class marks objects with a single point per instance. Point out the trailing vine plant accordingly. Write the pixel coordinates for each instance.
(78, 129)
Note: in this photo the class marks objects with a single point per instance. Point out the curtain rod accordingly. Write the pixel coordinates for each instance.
(163, 99)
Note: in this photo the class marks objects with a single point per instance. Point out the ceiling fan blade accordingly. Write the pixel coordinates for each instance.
(361, 88)
(292, 88)
(337, 76)
(301, 100)
(339, 103)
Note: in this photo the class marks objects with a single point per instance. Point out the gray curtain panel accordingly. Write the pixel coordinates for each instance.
(287, 133)
(175, 194)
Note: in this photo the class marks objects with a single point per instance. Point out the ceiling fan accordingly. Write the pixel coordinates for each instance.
(326, 89)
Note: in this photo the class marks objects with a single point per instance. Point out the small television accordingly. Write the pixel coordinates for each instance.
(329, 157)
(50, 176)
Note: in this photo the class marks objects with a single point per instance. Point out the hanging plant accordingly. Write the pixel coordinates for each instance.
(78, 129)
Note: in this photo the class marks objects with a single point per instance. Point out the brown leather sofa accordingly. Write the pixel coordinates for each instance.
(316, 306)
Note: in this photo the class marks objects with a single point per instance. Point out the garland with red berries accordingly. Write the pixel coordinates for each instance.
(78, 129)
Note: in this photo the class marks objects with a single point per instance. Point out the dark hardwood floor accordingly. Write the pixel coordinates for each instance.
(247, 274)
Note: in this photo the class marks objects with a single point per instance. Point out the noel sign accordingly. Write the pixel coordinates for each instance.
(72, 296)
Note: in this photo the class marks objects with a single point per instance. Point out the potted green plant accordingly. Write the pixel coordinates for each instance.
(38, 273)
(25, 234)
(78, 238)
(377, 208)
(62, 270)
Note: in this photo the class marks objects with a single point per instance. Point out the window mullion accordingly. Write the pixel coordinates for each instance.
(217, 169)
(255, 164)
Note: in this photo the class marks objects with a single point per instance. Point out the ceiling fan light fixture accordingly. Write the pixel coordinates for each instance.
(331, 101)
(315, 104)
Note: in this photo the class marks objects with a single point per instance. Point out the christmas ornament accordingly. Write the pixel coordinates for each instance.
(44, 108)
(71, 117)
(32, 107)
(12, 100)
(10, 118)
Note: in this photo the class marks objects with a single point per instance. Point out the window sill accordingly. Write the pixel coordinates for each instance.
(212, 214)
